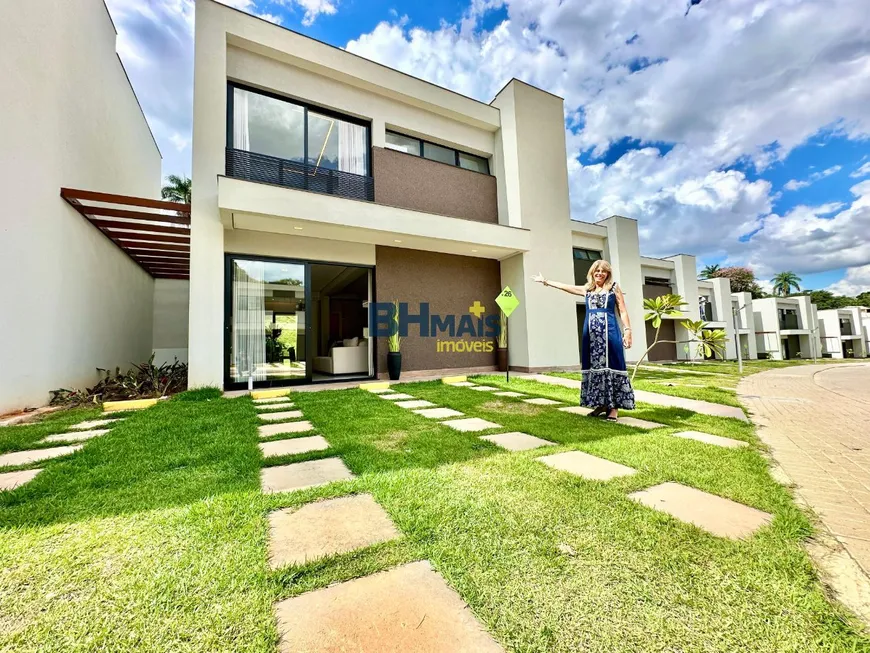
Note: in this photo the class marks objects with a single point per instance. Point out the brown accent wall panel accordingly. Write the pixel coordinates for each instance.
(412, 182)
(451, 284)
(664, 351)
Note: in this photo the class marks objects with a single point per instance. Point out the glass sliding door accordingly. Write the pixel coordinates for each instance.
(266, 322)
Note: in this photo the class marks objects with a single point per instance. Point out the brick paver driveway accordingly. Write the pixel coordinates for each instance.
(816, 420)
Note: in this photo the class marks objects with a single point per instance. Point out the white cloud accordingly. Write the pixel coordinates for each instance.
(856, 281)
(863, 171)
(313, 8)
(794, 184)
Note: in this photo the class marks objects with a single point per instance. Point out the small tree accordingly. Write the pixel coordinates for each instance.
(742, 280)
(659, 308)
(177, 189)
(783, 282)
(710, 271)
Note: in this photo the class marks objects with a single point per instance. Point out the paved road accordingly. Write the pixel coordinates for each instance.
(816, 420)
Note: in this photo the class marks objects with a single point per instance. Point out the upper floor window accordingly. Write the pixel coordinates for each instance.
(583, 260)
(427, 150)
(276, 127)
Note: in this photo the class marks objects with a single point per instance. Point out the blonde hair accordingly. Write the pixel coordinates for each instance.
(600, 264)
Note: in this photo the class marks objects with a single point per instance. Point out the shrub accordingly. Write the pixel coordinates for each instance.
(142, 381)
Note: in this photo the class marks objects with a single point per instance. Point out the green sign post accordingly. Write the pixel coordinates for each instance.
(507, 301)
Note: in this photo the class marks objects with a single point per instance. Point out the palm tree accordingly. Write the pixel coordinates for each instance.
(177, 189)
(710, 271)
(784, 282)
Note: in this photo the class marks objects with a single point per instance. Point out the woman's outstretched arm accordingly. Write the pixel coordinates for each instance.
(623, 316)
(574, 290)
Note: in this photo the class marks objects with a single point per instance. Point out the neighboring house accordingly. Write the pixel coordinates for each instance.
(744, 324)
(325, 182)
(844, 332)
(787, 328)
(73, 301)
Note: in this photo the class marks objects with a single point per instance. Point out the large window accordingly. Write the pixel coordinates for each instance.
(427, 150)
(583, 260)
(274, 140)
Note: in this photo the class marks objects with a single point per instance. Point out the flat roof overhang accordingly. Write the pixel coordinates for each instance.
(256, 206)
(155, 234)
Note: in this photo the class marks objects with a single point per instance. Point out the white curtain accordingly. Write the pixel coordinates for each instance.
(351, 148)
(249, 320)
(241, 132)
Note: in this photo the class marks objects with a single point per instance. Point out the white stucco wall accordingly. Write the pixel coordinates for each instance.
(171, 302)
(72, 300)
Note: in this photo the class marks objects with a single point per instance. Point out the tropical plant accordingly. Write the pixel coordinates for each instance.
(142, 381)
(710, 271)
(784, 282)
(664, 306)
(502, 331)
(394, 342)
(177, 189)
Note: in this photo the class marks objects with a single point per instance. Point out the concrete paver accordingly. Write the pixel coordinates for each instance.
(280, 416)
(409, 608)
(12, 480)
(708, 438)
(517, 441)
(508, 393)
(271, 400)
(35, 455)
(275, 406)
(586, 465)
(438, 413)
(470, 424)
(576, 410)
(415, 403)
(298, 476)
(484, 388)
(396, 396)
(268, 430)
(821, 442)
(715, 514)
(326, 528)
(294, 446)
(542, 401)
(639, 423)
(75, 436)
(463, 384)
(96, 424)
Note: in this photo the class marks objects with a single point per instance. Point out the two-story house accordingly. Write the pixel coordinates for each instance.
(842, 332)
(787, 328)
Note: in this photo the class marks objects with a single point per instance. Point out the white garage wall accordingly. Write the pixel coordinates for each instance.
(71, 300)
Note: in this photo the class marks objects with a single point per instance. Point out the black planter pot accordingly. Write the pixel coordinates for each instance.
(502, 359)
(394, 364)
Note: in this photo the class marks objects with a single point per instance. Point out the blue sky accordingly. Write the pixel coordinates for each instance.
(738, 132)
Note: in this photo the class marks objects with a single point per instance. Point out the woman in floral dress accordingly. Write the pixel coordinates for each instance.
(606, 387)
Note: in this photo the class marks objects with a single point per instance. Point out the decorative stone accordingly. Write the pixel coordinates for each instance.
(275, 406)
(508, 393)
(438, 413)
(516, 441)
(416, 403)
(35, 455)
(395, 396)
(293, 446)
(298, 476)
(409, 608)
(269, 430)
(542, 401)
(12, 480)
(715, 514)
(707, 438)
(586, 465)
(75, 436)
(96, 423)
(325, 528)
(639, 423)
(576, 410)
(470, 424)
(279, 417)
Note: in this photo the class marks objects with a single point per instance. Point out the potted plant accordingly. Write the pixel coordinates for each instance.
(394, 356)
(501, 353)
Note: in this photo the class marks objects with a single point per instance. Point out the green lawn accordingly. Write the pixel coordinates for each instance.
(153, 538)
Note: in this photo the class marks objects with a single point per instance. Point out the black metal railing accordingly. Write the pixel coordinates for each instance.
(788, 321)
(295, 174)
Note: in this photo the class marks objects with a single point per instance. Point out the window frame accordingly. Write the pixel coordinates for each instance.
(306, 107)
(423, 142)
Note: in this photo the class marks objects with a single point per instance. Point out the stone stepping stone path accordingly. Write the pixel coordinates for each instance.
(396, 396)
(279, 417)
(299, 476)
(294, 446)
(415, 403)
(508, 393)
(712, 513)
(380, 391)
(586, 465)
(12, 480)
(326, 528)
(276, 406)
(271, 400)
(542, 401)
(438, 413)
(708, 438)
(75, 436)
(96, 424)
(464, 384)
(483, 388)
(409, 608)
(576, 410)
(517, 441)
(268, 430)
(639, 423)
(471, 424)
(35, 455)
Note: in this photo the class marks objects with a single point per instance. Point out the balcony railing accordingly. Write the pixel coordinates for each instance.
(294, 174)
(788, 321)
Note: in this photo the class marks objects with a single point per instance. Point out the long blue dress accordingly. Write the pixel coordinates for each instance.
(605, 379)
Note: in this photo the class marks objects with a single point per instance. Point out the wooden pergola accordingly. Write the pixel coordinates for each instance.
(155, 233)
